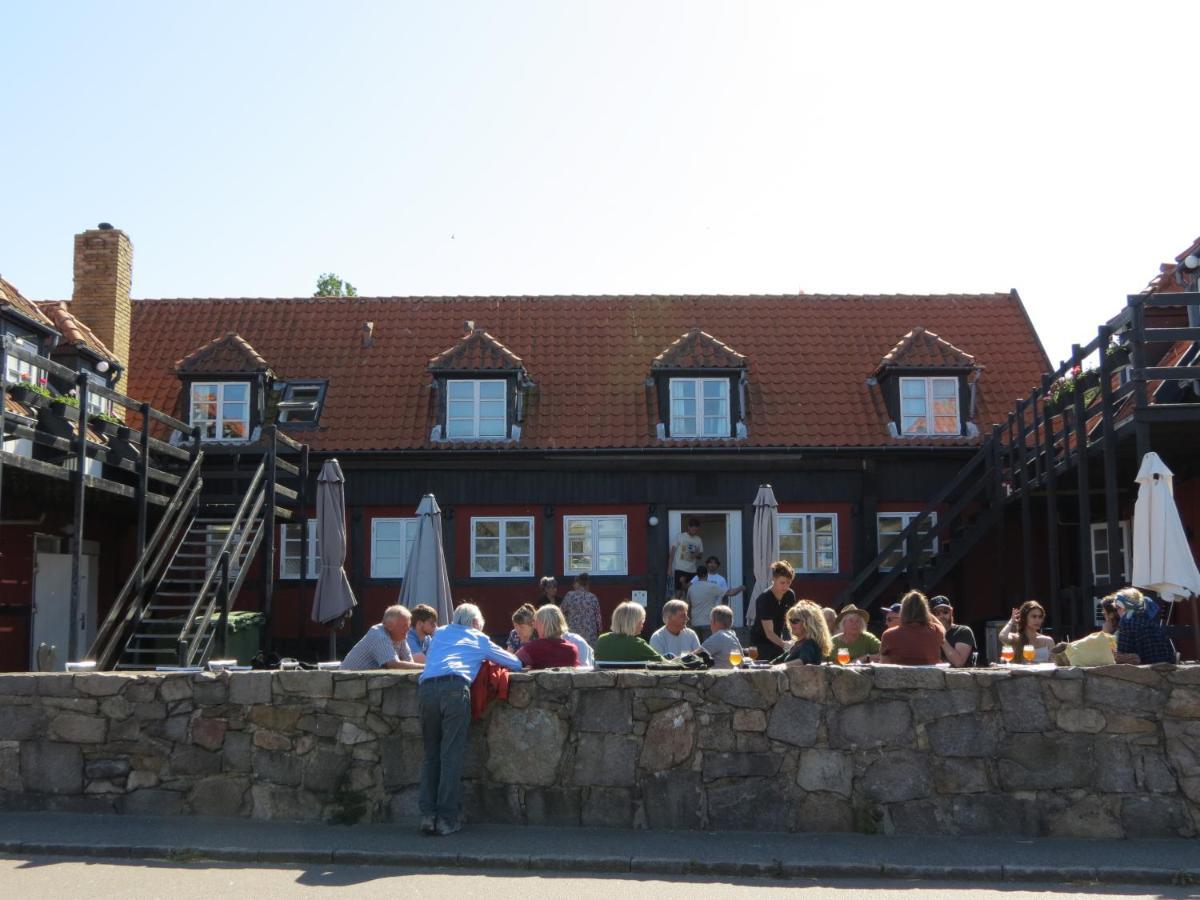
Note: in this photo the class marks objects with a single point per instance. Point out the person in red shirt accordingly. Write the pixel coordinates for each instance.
(550, 650)
(917, 640)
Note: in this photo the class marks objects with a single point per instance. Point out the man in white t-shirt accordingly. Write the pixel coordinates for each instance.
(683, 557)
(713, 565)
(702, 595)
(675, 638)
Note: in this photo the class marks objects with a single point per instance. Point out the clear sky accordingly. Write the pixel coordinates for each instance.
(616, 147)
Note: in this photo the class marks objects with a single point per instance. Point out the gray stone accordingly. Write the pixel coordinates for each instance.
(898, 776)
(1046, 762)
(670, 737)
(273, 802)
(275, 718)
(715, 732)
(250, 688)
(826, 770)
(739, 805)
(1022, 704)
(822, 812)
(317, 684)
(930, 705)
(1153, 773)
(351, 734)
(495, 803)
(807, 682)
(672, 799)
(138, 779)
(56, 684)
(1184, 703)
(908, 678)
(1124, 696)
(320, 725)
(404, 804)
(106, 768)
(18, 684)
(189, 760)
(151, 802)
(991, 815)
(525, 745)
(881, 723)
(115, 708)
(740, 765)
(606, 710)
(277, 767)
(52, 768)
(10, 767)
(21, 723)
(1155, 817)
(324, 770)
(750, 719)
(849, 686)
(1089, 817)
(175, 687)
(605, 760)
(209, 691)
(795, 721)
(1085, 720)
(607, 808)
(401, 759)
(960, 776)
(209, 733)
(100, 684)
(236, 751)
(912, 817)
(1114, 773)
(754, 689)
(219, 795)
(353, 688)
(968, 735)
(553, 806)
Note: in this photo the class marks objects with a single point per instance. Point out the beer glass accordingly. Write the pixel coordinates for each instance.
(843, 656)
(735, 658)
(1006, 654)
(1028, 653)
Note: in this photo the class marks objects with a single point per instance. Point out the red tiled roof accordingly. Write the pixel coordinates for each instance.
(11, 297)
(73, 330)
(920, 348)
(808, 359)
(698, 350)
(230, 354)
(476, 351)
(1166, 282)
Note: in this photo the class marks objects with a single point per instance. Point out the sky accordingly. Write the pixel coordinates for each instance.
(617, 147)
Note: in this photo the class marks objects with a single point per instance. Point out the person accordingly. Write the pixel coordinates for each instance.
(770, 612)
(812, 642)
(684, 555)
(675, 638)
(713, 565)
(1142, 639)
(1025, 628)
(444, 705)
(522, 630)
(960, 639)
(723, 640)
(853, 635)
(587, 656)
(1112, 627)
(830, 615)
(550, 650)
(424, 624)
(917, 640)
(582, 609)
(385, 645)
(548, 586)
(891, 616)
(624, 643)
(703, 594)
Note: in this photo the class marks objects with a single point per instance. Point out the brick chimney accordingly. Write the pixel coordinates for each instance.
(103, 274)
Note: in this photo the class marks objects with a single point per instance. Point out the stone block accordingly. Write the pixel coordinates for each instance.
(821, 812)
(990, 815)
(606, 710)
(1032, 762)
(210, 690)
(494, 803)
(850, 686)
(320, 724)
(98, 684)
(219, 795)
(794, 721)
(960, 776)
(1144, 675)
(807, 682)
(191, 760)
(235, 752)
(673, 799)
(525, 745)
(277, 767)
(738, 806)
(604, 760)
(751, 742)
(351, 734)
(271, 740)
(1152, 772)
(315, 684)
(353, 688)
(715, 732)
(607, 808)
(347, 709)
(51, 768)
(124, 730)
(151, 802)
(1114, 773)
(324, 770)
(18, 684)
(827, 771)
(556, 806)
(752, 689)
(150, 711)
(22, 723)
(749, 720)
(10, 767)
(115, 708)
(83, 705)
(139, 779)
(106, 768)
(1085, 720)
(1120, 694)
(740, 765)
(1089, 817)
(1156, 817)
(1183, 703)
(1022, 704)
(276, 718)
(250, 688)
(270, 801)
(967, 735)
(401, 756)
(896, 777)
(670, 737)
(637, 680)
(931, 705)
(209, 733)
(404, 804)
(912, 817)
(908, 678)
(1119, 723)
(175, 687)
(56, 684)
(880, 723)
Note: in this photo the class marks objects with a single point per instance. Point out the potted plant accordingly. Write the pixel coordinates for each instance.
(105, 424)
(35, 396)
(54, 418)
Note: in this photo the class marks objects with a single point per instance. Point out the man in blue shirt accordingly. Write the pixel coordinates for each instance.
(424, 624)
(1141, 634)
(444, 699)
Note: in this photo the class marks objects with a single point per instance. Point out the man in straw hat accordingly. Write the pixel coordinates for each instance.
(853, 635)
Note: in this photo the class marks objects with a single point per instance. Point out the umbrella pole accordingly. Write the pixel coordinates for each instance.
(332, 644)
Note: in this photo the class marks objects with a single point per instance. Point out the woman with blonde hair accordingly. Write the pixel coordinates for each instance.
(550, 650)
(812, 644)
(624, 643)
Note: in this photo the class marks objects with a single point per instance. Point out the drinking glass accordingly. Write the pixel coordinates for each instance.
(752, 652)
(735, 658)
(1006, 654)
(843, 656)
(1027, 653)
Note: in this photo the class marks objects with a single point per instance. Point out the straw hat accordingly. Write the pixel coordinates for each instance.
(851, 610)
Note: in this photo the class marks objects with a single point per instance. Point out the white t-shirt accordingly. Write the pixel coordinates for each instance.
(715, 578)
(688, 551)
(687, 641)
(702, 596)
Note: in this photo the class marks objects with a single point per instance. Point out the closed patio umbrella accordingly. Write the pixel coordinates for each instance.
(425, 577)
(766, 542)
(333, 597)
(1162, 559)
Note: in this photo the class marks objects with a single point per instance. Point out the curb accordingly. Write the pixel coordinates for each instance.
(609, 865)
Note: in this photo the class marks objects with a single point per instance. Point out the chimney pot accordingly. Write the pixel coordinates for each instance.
(469, 325)
(105, 226)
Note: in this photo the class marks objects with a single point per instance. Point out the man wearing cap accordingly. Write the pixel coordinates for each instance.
(891, 616)
(853, 635)
(959, 642)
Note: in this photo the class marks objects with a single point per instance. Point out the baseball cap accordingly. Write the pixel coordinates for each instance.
(895, 608)
(940, 600)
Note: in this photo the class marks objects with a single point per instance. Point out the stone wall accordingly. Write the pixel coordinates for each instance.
(1111, 752)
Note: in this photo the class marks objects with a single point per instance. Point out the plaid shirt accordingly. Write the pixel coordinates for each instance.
(1145, 637)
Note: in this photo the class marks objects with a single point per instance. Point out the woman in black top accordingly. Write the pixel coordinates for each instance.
(770, 612)
(807, 625)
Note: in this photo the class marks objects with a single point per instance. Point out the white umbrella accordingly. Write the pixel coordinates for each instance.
(766, 543)
(425, 577)
(1162, 559)
(333, 597)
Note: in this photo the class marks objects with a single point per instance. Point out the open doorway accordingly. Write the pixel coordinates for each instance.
(721, 533)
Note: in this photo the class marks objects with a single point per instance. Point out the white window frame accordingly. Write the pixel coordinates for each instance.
(289, 396)
(905, 519)
(504, 521)
(698, 386)
(595, 568)
(219, 422)
(928, 383)
(476, 383)
(409, 525)
(18, 367)
(314, 552)
(809, 536)
(96, 403)
(1126, 529)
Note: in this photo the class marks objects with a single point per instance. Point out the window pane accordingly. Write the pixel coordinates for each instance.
(518, 528)
(913, 407)
(460, 428)
(517, 546)
(491, 409)
(238, 391)
(945, 425)
(912, 387)
(491, 428)
(518, 564)
(1100, 564)
(716, 389)
(491, 390)
(388, 567)
(716, 427)
(233, 430)
(683, 427)
(714, 407)
(945, 387)
(681, 408)
(890, 524)
(487, 528)
(490, 546)
(388, 531)
(487, 563)
(461, 390)
(683, 388)
(461, 409)
(204, 392)
(1100, 538)
(914, 425)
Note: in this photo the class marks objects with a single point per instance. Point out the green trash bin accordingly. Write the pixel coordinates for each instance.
(243, 637)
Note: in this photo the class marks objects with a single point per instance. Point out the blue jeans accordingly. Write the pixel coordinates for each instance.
(445, 707)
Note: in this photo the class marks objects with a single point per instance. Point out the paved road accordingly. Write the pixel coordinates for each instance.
(54, 878)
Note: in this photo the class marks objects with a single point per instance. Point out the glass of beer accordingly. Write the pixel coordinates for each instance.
(1006, 654)
(752, 652)
(1027, 653)
(735, 658)
(843, 656)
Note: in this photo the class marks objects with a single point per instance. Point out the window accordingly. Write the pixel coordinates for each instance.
(700, 407)
(929, 406)
(595, 544)
(95, 402)
(1101, 570)
(215, 536)
(18, 370)
(888, 525)
(501, 548)
(809, 542)
(289, 551)
(477, 410)
(222, 410)
(301, 402)
(391, 543)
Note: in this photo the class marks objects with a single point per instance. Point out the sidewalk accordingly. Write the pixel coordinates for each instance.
(741, 854)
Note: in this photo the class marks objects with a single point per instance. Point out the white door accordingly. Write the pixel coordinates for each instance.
(724, 527)
(52, 610)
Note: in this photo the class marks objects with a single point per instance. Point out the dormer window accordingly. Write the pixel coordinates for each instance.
(226, 383)
(928, 387)
(929, 406)
(476, 409)
(700, 407)
(700, 383)
(221, 409)
(300, 402)
(481, 388)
